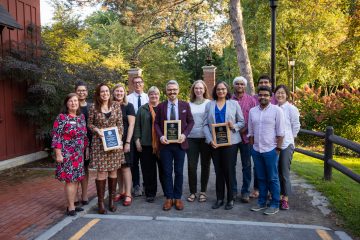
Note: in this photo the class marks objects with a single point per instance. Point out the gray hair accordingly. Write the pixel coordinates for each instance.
(153, 89)
(241, 78)
(172, 82)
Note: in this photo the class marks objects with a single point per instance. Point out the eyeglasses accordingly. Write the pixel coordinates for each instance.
(171, 90)
(81, 90)
(138, 83)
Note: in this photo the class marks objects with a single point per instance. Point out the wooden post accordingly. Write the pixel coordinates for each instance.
(328, 153)
(209, 75)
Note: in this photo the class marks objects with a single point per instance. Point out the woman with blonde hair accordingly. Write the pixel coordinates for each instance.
(128, 117)
(197, 146)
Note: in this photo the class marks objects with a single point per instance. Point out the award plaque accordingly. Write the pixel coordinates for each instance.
(221, 134)
(172, 130)
(111, 139)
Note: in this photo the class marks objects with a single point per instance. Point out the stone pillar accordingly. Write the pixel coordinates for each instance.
(209, 75)
(132, 73)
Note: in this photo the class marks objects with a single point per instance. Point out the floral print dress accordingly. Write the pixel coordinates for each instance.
(69, 135)
(100, 159)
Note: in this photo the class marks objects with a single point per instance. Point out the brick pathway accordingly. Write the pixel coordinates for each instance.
(31, 201)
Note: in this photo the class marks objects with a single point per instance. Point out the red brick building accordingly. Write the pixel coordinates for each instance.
(17, 136)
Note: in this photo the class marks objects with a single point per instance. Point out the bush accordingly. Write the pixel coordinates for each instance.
(341, 110)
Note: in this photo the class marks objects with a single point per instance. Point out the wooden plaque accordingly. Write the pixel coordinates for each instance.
(172, 130)
(221, 134)
(111, 139)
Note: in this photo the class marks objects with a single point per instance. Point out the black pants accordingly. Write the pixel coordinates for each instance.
(197, 146)
(135, 170)
(149, 171)
(223, 159)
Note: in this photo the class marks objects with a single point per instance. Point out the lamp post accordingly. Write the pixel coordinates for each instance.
(273, 5)
(292, 64)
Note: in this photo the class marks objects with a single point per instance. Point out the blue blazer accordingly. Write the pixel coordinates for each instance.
(233, 114)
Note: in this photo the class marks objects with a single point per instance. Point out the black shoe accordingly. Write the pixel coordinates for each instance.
(78, 209)
(70, 213)
(229, 205)
(77, 203)
(84, 202)
(150, 199)
(218, 204)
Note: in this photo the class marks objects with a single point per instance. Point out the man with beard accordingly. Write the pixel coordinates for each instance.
(266, 132)
(172, 154)
(246, 102)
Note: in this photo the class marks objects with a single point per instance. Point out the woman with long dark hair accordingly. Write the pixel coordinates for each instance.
(104, 114)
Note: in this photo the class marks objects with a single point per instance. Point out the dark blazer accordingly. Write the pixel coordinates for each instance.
(187, 121)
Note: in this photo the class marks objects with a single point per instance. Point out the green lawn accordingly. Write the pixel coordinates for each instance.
(342, 192)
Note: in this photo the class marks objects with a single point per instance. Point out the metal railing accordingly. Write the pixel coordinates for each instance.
(327, 157)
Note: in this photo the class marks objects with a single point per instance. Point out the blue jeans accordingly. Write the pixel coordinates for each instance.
(245, 154)
(266, 165)
(172, 155)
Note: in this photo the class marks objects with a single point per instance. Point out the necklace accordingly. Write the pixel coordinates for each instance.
(198, 102)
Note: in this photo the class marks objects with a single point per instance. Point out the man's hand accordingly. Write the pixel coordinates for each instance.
(182, 138)
(138, 145)
(163, 140)
(231, 125)
(213, 144)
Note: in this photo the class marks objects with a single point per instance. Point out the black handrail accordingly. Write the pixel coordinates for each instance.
(329, 162)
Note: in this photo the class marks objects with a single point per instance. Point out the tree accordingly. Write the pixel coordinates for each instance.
(237, 30)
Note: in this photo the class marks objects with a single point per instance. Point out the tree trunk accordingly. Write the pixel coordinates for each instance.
(237, 30)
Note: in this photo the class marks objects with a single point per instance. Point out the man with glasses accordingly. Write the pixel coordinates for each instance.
(266, 132)
(264, 80)
(137, 98)
(246, 102)
(172, 155)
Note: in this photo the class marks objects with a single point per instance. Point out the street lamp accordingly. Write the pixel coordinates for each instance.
(292, 65)
(273, 5)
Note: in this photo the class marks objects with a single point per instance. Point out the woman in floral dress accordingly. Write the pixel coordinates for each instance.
(69, 141)
(104, 114)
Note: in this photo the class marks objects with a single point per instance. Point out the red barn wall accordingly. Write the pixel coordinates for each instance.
(17, 136)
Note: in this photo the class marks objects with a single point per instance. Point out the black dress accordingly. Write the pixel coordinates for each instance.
(85, 110)
(128, 110)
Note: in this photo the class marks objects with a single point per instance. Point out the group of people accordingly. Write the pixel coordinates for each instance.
(262, 127)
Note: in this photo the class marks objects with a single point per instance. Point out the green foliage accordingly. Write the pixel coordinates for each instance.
(341, 110)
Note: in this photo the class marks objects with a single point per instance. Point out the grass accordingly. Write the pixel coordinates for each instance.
(342, 192)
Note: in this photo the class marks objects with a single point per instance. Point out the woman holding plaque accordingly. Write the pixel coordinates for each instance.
(69, 141)
(124, 173)
(292, 128)
(197, 144)
(147, 143)
(105, 114)
(223, 120)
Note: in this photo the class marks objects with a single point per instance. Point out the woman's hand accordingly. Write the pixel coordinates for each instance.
(58, 156)
(99, 132)
(138, 145)
(231, 125)
(127, 147)
(87, 153)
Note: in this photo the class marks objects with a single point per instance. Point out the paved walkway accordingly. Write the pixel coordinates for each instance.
(32, 201)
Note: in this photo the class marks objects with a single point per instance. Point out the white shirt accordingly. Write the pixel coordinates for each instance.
(176, 106)
(292, 124)
(133, 98)
(265, 125)
(198, 112)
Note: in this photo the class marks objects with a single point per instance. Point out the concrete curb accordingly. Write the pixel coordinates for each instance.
(21, 160)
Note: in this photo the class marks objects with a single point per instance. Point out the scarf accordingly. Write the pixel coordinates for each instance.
(154, 139)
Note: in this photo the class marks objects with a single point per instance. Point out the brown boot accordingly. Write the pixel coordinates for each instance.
(112, 191)
(100, 188)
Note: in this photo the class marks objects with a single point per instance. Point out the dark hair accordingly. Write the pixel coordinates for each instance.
(97, 99)
(263, 77)
(137, 77)
(80, 83)
(288, 94)
(65, 109)
(214, 95)
(264, 88)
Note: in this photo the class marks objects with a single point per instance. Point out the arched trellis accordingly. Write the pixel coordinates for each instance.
(167, 33)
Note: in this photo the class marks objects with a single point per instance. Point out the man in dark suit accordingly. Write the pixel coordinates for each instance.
(173, 154)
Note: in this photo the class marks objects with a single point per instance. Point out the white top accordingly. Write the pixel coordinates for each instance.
(198, 112)
(176, 106)
(292, 124)
(133, 98)
(265, 125)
